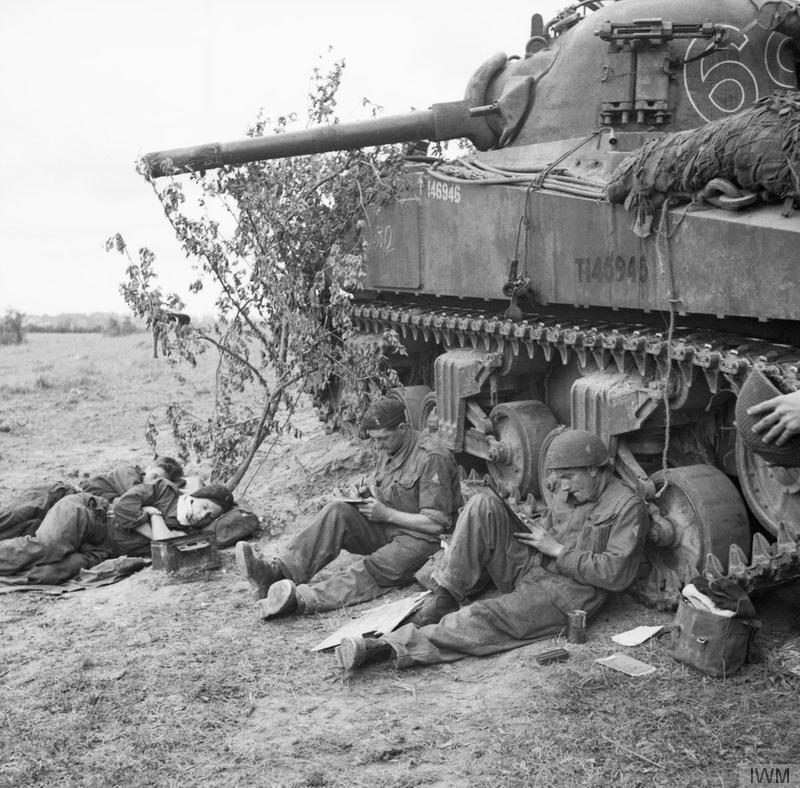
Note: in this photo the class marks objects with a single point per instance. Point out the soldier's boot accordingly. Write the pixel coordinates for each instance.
(260, 572)
(435, 608)
(353, 652)
(281, 600)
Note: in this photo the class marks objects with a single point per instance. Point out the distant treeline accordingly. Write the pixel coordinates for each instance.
(14, 325)
(110, 326)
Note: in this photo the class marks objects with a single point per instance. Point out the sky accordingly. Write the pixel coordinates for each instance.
(88, 86)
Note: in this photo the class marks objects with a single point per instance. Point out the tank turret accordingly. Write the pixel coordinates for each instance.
(618, 255)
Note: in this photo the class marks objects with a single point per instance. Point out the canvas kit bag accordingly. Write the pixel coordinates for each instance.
(715, 645)
(233, 526)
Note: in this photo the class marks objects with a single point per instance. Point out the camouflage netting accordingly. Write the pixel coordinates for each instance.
(757, 150)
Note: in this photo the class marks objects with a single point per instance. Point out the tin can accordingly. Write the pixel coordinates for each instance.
(576, 626)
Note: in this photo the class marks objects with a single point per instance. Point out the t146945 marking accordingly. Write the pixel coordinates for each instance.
(612, 268)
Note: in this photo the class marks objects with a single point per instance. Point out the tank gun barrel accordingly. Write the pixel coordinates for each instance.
(443, 121)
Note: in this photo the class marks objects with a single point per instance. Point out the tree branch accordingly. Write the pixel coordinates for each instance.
(224, 349)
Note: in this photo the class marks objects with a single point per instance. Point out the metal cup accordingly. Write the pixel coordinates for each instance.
(576, 626)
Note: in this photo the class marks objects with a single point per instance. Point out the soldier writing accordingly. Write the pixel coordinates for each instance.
(414, 499)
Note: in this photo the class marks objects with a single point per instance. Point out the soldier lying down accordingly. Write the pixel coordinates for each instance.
(81, 529)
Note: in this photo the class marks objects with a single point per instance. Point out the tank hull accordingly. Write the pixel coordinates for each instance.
(584, 253)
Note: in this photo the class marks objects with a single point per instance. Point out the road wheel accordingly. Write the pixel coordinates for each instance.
(771, 491)
(709, 516)
(521, 428)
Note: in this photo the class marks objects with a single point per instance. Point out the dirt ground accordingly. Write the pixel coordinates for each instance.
(156, 682)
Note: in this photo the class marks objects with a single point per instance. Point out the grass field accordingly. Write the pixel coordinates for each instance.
(156, 683)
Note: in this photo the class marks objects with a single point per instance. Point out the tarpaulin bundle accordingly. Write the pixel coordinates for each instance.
(757, 150)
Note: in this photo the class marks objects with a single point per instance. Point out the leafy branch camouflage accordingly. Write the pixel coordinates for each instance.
(284, 243)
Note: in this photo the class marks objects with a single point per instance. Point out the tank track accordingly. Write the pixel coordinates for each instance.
(724, 359)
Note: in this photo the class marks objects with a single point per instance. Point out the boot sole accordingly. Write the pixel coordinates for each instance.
(281, 600)
(350, 653)
(245, 561)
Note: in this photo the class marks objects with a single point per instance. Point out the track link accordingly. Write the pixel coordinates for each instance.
(724, 359)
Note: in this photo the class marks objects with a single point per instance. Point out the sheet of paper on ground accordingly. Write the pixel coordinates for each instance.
(637, 635)
(626, 664)
(377, 621)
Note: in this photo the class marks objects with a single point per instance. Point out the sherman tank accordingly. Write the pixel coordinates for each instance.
(617, 255)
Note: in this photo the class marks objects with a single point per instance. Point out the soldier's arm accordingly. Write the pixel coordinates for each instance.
(436, 501)
(539, 537)
(439, 496)
(157, 528)
(129, 511)
(373, 509)
(114, 484)
(615, 568)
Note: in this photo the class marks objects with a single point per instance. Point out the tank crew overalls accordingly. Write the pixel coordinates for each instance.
(603, 540)
(421, 477)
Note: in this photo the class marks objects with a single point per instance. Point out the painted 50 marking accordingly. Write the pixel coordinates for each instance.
(383, 238)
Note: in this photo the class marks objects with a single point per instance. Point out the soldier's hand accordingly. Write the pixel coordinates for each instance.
(540, 539)
(373, 509)
(781, 418)
(360, 490)
(366, 488)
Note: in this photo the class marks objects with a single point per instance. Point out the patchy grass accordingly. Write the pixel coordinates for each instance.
(148, 682)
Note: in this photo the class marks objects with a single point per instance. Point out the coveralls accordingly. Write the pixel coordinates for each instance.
(114, 484)
(84, 525)
(603, 542)
(421, 477)
(26, 512)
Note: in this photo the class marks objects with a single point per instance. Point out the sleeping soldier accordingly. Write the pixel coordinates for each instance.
(117, 482)
(414, 500)
(587, 546)
(25, 513)
(81, 529)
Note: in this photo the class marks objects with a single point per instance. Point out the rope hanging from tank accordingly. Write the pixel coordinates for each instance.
(665, 267)
(519, 285)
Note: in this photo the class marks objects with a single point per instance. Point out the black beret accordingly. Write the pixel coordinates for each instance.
(217, 493)
(384, 414)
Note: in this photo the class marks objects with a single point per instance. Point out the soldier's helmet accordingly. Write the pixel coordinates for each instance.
(575, 449)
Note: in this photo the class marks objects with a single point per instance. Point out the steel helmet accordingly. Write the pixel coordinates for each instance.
(575, 449)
